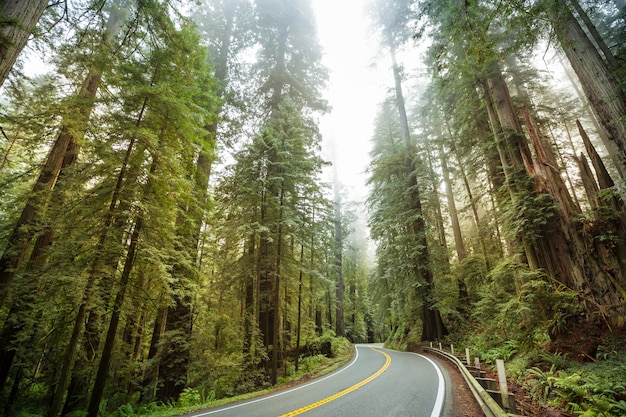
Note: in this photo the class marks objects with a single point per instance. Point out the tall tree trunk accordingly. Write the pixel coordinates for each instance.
(151, 374)
(107, 350)
(599, 85)
(513, 149)
(568, 177)
(432, 325)
(190, 220)
(456, 226)
(23, 232)
(441, 226)
(92, 280)
(589, 183)
(454, 217)
(19, 19)
(601, 131)
(473, 205)
(249, 323)
(276, 348)
(604, 179)
(296, 356)
(340, 328)
(62, 154)
(615, 224)
(608, 55)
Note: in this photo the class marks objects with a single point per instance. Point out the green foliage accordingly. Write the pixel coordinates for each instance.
(503, 351)
(189, 396)
(310, 363)
(522, 305)
(530, 214)
(581, 393)
(128, 410)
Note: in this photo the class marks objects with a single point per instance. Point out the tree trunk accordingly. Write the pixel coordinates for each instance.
(19, 19)
(591, 271)
(610, 146)
(63, 153)
(107, 349)
(608, 55)
(249, 323)
(23, 233)
(441, 226)
(92, 279)
(456, 226)
(589, 183)
(512, 147)
(604, 179)
(150, 379)
(340, 328)
(454, 217)
(276, 348)
(432, 325)
(296, 356)
(598, 83)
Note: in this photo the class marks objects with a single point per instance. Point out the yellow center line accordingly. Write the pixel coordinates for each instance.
(345, 391)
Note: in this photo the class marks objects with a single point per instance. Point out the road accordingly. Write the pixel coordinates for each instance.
(377, 382)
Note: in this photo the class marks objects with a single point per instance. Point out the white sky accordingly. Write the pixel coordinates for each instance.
(355, 88)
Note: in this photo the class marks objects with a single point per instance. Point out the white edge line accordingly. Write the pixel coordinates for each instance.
(438, 407)
(356, 356)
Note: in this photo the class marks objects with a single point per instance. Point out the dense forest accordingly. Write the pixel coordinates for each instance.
(169, 233)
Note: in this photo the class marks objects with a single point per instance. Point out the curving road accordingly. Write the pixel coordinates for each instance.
(377, 382)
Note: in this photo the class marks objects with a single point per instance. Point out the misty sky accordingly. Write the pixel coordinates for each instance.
(355, 88)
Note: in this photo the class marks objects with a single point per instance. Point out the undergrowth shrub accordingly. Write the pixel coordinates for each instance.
(522, 305)
(588, 389)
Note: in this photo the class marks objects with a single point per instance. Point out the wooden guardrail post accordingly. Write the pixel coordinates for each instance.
(504, 389)
(452, 349)
(467, 356)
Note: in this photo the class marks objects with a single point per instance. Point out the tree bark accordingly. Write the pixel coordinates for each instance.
(589, 183)
(456, 225)
(19, 19)
(151, 377)
(296, 356)
(608, 55)
(512, 147)
(599, 85)
(604, 179)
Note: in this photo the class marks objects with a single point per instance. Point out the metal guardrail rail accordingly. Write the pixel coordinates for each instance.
(489, 406)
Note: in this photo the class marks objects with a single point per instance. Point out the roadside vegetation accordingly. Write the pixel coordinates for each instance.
(224, 388)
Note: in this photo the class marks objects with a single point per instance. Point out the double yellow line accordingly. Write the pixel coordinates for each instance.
(345, 391)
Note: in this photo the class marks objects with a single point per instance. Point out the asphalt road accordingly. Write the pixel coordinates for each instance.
(377, 382)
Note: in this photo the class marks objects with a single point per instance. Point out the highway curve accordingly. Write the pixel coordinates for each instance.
(377, 382)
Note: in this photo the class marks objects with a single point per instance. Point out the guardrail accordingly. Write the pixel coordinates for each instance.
(485, 392)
